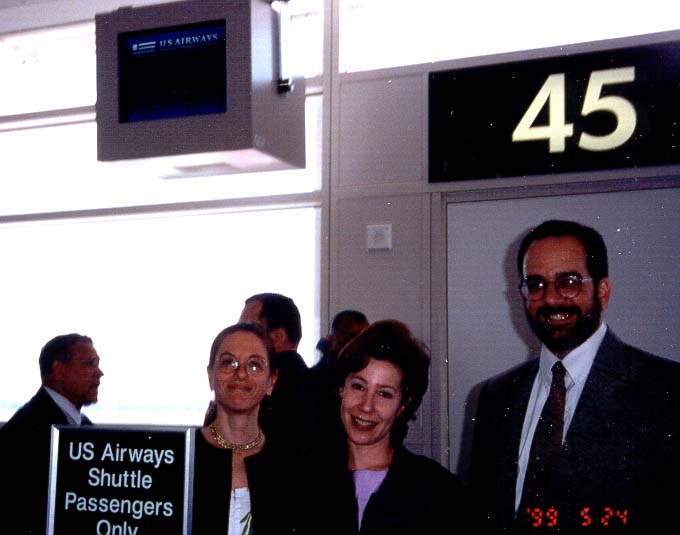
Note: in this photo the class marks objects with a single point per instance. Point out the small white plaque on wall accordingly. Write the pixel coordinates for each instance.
(379, 236)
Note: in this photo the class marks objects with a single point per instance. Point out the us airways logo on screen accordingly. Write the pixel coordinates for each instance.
(172, 42)
(189, 40)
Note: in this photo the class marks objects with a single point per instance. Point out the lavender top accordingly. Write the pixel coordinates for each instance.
(366, 482)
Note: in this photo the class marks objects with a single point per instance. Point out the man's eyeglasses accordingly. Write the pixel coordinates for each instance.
(252, 366)
(569, 286)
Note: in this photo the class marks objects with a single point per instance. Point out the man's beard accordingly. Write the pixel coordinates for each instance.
(561, 344)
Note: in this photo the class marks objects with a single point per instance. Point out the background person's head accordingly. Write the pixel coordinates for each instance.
(69, 365)
(278, 315)
(346, 325)
(392, 342)
(239, 368)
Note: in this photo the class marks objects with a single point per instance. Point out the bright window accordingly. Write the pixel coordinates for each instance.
(48, 70)
(152, 292)
(56, 169)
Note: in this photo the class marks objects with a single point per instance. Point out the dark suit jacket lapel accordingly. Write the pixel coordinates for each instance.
(513, 421)
(598, 397)
(598, 409)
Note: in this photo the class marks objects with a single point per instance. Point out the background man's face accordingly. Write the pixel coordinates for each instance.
(78, 379)
(563, 323)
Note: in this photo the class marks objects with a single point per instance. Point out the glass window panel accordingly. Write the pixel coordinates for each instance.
(152, 292)
(48, 69)
(60, 163)
(389, 33)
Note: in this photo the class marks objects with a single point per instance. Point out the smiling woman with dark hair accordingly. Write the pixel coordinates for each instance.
(387, 489)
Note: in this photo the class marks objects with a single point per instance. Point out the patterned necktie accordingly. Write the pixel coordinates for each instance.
(546, 444)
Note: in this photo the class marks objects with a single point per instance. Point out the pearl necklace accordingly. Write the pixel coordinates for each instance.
(238, 447)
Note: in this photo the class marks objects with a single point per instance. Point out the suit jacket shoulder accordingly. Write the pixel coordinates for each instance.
(492, 475)
(502, 404)
(290, 362)
(511, 382)
(24, 461)
(628, 393)
(634, 366)
(39, 412)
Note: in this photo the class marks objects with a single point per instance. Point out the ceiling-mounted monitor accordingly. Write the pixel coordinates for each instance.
(198, 84)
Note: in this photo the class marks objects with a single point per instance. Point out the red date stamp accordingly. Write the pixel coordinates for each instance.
(549, 518)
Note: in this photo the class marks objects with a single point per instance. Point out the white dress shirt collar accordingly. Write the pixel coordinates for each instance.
(577, 362)
(69, 409)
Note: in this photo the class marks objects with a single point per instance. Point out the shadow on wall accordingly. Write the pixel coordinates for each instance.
(514, 299)
(517, 316)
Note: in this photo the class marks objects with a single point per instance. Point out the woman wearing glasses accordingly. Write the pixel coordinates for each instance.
(241, 483)
(386, 489)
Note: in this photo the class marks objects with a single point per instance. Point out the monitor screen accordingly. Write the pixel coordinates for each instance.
(177, 71)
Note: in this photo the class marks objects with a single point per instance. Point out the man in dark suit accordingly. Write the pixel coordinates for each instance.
(70, 374)
(324, 403)
(618, 431)
(285, 413)
(346, 325)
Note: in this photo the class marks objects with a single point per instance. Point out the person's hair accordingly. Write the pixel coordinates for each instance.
(344, 327)
(393, 342)
(279, 311)
(346, 318)
(252, 328)
(59, 349)
(593, 243)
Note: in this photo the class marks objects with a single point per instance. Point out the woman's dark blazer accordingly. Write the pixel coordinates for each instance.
(417, 496)
(277, 502)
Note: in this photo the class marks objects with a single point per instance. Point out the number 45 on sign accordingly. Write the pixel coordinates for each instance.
(557, 130)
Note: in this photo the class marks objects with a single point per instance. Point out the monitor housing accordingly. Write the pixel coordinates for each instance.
(196, 86)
